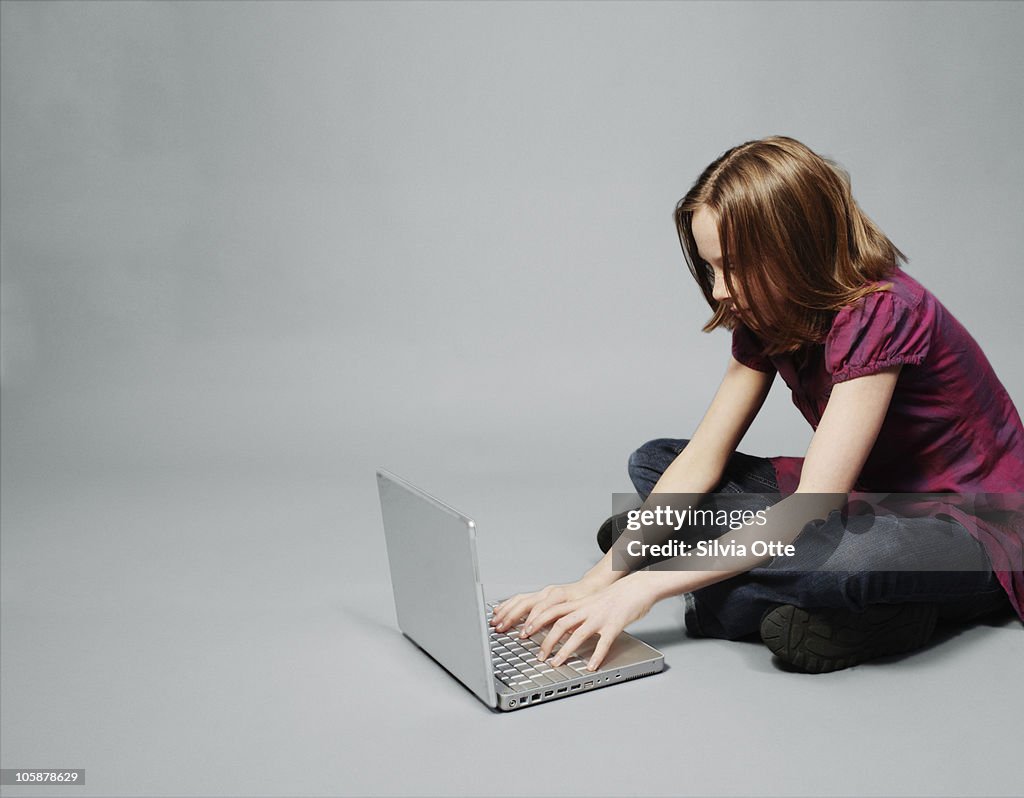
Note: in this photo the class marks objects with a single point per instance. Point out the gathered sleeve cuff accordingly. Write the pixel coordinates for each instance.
(875, 332)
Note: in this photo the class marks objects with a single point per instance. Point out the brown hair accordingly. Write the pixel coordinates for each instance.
(786, 218)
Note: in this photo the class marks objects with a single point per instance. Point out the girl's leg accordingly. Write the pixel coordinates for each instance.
(744, 473)
(853, 564)
(850, 565)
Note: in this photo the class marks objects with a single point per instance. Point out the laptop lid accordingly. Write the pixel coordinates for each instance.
(434, 575)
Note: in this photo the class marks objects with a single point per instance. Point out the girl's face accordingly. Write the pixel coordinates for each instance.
(704, 227)
(705, 232)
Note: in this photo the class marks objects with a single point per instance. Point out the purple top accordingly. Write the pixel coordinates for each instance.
(951, 427)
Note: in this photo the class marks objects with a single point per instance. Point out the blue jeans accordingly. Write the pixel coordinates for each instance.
(863, 556)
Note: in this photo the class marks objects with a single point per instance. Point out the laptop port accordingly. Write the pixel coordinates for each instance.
(562, 689)
(536, 696)
(576, 687)
(588, 684)
(548, 692)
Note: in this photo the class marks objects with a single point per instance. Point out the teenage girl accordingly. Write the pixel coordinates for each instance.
(901, 399)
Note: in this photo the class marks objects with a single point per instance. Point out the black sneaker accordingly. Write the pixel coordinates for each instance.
(610, 530)
(820, 641)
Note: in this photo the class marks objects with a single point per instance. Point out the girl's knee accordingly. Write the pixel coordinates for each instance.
(648, 463)
(658, 452)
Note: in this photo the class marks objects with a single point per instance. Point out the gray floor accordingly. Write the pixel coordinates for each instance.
(216, 634)
(250, 251)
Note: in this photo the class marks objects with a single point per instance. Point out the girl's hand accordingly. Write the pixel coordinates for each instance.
(529, 605)
(606, 613)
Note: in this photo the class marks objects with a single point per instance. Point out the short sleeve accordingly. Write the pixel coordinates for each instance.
(875, 332)
(748, 350)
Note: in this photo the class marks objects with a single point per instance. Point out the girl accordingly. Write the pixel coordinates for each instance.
(900, 397)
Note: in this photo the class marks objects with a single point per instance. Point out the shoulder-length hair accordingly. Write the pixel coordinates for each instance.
(788, 227)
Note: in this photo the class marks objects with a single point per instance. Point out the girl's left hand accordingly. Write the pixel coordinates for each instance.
(606, 613)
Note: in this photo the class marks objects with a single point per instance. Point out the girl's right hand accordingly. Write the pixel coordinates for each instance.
(529, 605)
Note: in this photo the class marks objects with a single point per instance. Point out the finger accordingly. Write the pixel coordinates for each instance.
(514, 610)
(547, 615)
(503, 606)
(524, 605)
(576, 639)
(547, 598)
(607, 637)
(499, 609)
(499, 613)
(518, 611)
(541, 614)
(560, 629)
(511, 619)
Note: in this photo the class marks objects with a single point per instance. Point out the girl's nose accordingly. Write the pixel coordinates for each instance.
(719, 291)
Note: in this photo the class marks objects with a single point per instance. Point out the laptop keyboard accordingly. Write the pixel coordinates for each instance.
(515, 660)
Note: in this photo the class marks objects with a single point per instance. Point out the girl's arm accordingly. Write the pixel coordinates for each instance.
(739, 398)
(835, 457)
(696, 470)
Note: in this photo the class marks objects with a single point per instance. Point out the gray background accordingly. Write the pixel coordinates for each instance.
(252, 251)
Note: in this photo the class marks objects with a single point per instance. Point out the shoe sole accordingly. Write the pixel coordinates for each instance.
(830, 640)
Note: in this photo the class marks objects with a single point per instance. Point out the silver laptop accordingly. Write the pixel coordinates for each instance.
(440, 605)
